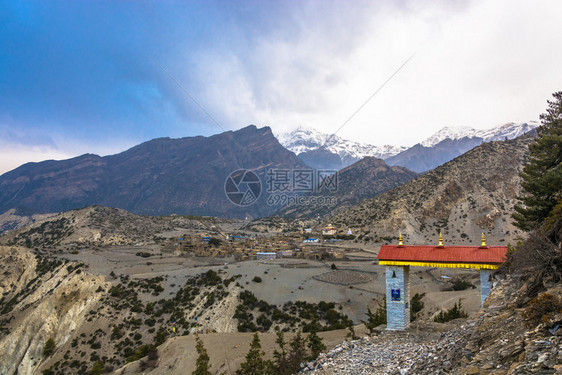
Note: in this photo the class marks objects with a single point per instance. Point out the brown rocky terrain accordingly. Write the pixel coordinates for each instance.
(473, 193)
(101, 226)
(17, 218)
(497, 341)
(42, 299)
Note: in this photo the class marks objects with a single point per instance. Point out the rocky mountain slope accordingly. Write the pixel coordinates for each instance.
(473, 193)
(100, 226)
(364, 179)
(16, 218)
(161, 176)
(42, 299)
(337, 152)
(56, 316)
(449, 143)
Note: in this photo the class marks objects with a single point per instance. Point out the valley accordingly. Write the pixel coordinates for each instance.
(108, 295)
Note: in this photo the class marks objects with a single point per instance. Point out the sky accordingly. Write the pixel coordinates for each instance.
(102, 76)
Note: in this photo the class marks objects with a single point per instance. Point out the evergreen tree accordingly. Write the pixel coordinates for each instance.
(375, 319)
(202, 363)
(315, 343)
(297, 355)
(49, 347)
(281, 364)
(97, 369)
(542, 175)
(255, 363)
(417, 305)
(351, 334)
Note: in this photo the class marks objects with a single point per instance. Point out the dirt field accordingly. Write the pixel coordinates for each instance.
(283, 283)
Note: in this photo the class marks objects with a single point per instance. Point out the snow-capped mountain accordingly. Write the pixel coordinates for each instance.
(306, 142)
(448, 143)
(499, 133)
(438, 149)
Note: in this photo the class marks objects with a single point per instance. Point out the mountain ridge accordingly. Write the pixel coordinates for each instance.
(448, 143)
(312, 145)
(470, 194)
(160, 176)
(364, 179)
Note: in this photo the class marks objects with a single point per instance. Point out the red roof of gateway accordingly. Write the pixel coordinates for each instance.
(446, 254)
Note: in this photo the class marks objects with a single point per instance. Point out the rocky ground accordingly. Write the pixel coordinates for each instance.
(412, 352)
(496, 342)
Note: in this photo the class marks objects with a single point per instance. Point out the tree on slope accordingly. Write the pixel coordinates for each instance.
(297, 354)
(202, 363)
(255, 363)
(315, 343)
(542, 175)
(281, 363)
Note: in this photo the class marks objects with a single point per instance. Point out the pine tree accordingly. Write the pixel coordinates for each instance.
(542, 175)
(315, 343)
(255, 363)
(351, 334)
(49, 348)
(375, 319)
(298, 354)
(202, 363)
(281, 364)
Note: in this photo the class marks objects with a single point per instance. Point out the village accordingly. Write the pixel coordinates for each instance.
(324, 244)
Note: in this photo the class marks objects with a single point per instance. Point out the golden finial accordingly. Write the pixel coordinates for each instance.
(440, 240)
(400, 242)
(483, 241)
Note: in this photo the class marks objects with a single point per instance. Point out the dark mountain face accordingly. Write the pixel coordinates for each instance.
(365, 179)
(322, 159)
(161, 176)
(421, 159)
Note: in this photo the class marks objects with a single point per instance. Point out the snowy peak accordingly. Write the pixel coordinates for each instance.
(305, 139)
(499, 133)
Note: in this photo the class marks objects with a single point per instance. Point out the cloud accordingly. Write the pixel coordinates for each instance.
(84, 76)
(18, 146)
(478, 64)
(12, 155)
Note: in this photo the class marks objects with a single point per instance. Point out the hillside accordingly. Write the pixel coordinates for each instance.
(448, 143)
(100, 226)
(17, 218)
(159, 177)
(471, 194)
(364, 179)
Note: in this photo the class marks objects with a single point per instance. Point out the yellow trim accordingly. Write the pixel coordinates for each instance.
(442, 265)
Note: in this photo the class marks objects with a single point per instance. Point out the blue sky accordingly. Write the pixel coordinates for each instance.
(83, 76)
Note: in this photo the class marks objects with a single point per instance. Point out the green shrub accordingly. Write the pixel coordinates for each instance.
(417, 305)
(375, 319)
(462, 285)
(454, 312)
(49, 348)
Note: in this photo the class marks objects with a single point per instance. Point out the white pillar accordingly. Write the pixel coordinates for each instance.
(397, 297)
(485, 285)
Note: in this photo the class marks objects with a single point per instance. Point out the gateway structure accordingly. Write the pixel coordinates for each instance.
(399, 258)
